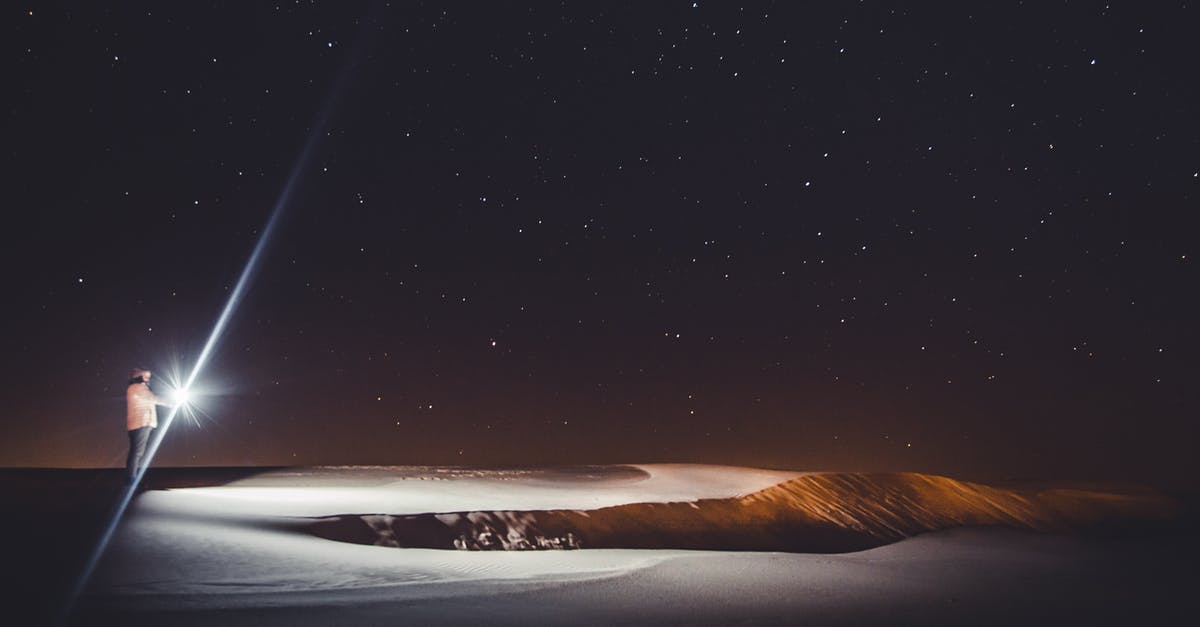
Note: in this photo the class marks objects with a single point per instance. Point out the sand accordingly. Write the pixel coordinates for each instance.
(239, 551)
(962, 577)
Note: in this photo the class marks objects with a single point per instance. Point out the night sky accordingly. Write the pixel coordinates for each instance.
(945, 237)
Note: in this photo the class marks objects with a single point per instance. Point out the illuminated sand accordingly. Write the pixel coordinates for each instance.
(185, 541)
(819, 512)
(249, 553)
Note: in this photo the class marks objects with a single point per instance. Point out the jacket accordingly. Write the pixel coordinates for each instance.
(140, 410)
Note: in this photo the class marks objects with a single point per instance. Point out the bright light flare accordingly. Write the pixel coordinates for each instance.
(182, 397)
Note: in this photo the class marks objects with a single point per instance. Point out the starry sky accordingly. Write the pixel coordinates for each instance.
(942, 237)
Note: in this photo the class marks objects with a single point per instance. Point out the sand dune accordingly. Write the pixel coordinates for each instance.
(822, 512)
(237, 547)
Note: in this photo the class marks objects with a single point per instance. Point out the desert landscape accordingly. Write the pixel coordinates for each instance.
(648, 545)
(600, 313)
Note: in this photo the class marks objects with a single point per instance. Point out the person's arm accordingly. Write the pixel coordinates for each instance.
(158, 400)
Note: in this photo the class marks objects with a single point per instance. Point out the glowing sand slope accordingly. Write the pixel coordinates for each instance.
(826, 512)
(296, 537)
(215, 545)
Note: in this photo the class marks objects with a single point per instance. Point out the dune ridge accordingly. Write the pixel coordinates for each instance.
(821, 512)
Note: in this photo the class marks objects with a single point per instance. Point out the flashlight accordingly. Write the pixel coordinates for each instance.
(182, 396)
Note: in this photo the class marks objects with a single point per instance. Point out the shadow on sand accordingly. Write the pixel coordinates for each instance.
(52, 517)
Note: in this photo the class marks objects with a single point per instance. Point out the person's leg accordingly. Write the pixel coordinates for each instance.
(131, 459)
(137, 450)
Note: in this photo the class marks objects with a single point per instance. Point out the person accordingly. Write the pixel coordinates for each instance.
(141, 417)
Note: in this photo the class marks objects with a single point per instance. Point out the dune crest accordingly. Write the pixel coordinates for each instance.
(823, 512)
(898, 505)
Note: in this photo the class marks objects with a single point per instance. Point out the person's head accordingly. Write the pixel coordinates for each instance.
(139, 375)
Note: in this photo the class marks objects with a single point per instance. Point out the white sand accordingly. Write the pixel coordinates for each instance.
(215, 542)
(403, 490)
(229, 556)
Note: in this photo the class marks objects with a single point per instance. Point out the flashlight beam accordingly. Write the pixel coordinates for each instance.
(231, 305)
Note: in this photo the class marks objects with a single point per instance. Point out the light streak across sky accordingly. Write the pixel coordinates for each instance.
(218, 330)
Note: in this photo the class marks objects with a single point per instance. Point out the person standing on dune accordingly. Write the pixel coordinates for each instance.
(141, 417)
